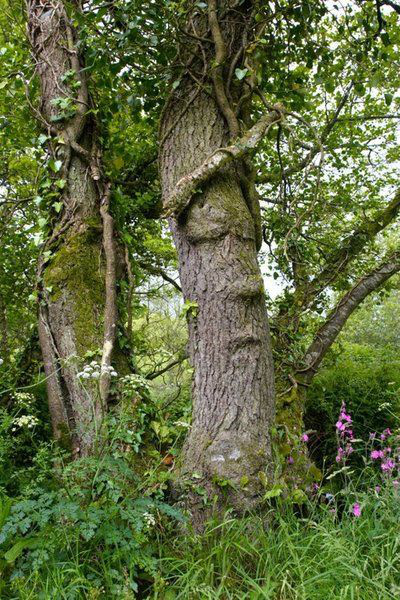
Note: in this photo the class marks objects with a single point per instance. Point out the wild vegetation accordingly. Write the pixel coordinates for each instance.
(199, 299)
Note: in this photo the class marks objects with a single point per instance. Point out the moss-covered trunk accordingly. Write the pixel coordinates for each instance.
(72, 317)
(77, 317)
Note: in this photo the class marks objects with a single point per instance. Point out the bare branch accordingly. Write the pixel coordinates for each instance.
(173, 363)
(110, 310)
(155, 270)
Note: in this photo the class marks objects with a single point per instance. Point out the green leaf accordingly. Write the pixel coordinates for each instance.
(20, 546)
(241, 73)
(274, 492)
(55, 165)
(388, 99)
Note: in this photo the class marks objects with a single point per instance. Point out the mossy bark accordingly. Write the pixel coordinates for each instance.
(75, 267)
(296, 469)
(72, 315)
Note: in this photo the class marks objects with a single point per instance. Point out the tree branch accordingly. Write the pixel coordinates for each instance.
(110, 310)
(316, 148)
(351, 247)
(173, 363)
(181, 195)
(154, 270)
(329, 331)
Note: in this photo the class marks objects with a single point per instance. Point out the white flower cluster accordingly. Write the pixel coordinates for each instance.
(28, 421)
(182, 424)
(1, 361)
(94, 371)
(150, 519)
(23, 399)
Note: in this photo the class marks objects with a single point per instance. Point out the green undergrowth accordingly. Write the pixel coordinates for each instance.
(322, 555)
(320, 551)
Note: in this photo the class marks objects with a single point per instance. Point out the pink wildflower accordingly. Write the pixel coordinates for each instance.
(377, 489)
(304, 437)
(356, 510)
(340, 454)
(385, 434)
(388, 465)
(345, 417)
(396, 484)
(290, 460)
(375, 454)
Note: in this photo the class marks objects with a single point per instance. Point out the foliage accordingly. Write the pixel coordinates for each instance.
(92, 521)
(363, 372)
(103, 527)
(284, 556)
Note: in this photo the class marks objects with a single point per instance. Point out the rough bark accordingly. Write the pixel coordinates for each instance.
(229, 343)
(73, 301)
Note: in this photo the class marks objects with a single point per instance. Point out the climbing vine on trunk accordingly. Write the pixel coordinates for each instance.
(77, 267)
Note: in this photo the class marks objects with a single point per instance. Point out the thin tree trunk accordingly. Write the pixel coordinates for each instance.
(77, 268)
(229, 343)
(3, 329)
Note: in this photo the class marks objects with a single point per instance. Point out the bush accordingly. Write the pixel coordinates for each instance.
(367, 380)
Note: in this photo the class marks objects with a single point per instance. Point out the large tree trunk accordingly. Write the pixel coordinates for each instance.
(229, 342)
(77, 268)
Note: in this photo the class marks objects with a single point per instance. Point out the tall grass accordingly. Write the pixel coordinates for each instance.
(322, 556)
(323, 552)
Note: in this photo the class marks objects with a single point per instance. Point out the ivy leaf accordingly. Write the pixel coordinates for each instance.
(55, 165)
(241, 73)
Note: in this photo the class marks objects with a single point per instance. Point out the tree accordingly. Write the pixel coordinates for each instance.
(215, 221)
(77, 268)
(328, 220)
